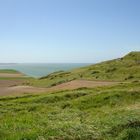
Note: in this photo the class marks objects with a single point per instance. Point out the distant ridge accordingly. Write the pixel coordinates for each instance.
(132, 56)
(7, 63)
(8, 71)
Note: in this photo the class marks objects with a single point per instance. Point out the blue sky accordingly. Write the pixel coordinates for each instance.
(85, 31)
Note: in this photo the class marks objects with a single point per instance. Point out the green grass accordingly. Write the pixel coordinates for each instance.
(17, 78)
(110, 113)
(123, 69)
(8, 71)
(102, 113)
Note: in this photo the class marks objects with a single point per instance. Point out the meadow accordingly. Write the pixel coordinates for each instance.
(101, 113)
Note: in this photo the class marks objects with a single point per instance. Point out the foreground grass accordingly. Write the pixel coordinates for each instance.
(110, 113)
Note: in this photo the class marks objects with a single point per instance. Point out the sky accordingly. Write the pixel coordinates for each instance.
(68, 31)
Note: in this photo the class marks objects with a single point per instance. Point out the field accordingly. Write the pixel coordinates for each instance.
(98, 113)
(98, 102)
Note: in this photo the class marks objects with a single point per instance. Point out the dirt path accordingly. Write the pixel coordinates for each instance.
(19, 90)
(10, 75)
(79, 84)
(9, 83)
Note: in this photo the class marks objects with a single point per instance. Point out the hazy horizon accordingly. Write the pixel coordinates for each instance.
(98, 61)
(72, 31)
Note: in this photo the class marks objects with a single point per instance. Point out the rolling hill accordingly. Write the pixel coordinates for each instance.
(126, 68)
(101, 113)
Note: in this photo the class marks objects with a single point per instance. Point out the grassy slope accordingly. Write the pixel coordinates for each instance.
(122, 69)
(110, 113)
(8, 71)
(101, 113)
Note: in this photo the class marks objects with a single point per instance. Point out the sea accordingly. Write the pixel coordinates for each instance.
(37, 70)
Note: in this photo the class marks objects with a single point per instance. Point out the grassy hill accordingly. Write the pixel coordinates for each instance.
(101, 113)
(122, 69)
(105, 113)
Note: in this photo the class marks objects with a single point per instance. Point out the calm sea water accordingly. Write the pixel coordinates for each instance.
(39, 70)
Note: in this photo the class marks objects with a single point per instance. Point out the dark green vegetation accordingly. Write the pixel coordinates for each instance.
(101, 113)
(122, 69)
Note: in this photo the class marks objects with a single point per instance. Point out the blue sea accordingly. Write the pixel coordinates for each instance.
(41, 69)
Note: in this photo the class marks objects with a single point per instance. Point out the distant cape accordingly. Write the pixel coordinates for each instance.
(8, 63)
